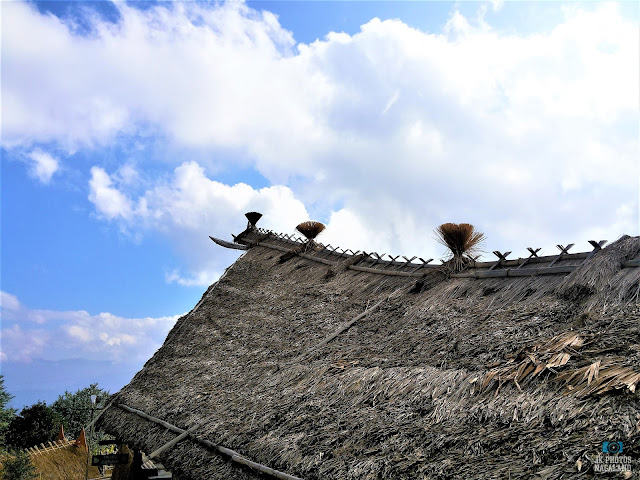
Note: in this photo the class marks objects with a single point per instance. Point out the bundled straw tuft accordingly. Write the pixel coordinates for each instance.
(310, 229)
(460, 239)
(253, 218)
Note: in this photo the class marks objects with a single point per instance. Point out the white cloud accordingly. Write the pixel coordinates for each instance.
(107, 199)
(398, 128)
(42, 165)
(188, 207)
(9, 302)
(496, 4)
(199, 279)
(78, 334)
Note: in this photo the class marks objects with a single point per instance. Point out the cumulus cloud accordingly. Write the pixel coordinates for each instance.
(188, 207)
(108, 200)
(72, 334)
(399, 128)
(199, 279)
(42, 165)
(9, 302)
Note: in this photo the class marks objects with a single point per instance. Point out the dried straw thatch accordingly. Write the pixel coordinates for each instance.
(462, 239)
(253, 218)
(467, 378)
(67, 463)
(603, 274)
(310, 229)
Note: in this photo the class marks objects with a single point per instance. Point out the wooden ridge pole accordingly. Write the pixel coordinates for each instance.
(235, 456)
(176, 440)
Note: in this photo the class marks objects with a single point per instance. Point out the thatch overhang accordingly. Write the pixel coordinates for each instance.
(447, 376)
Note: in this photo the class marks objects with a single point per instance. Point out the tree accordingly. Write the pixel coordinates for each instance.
(35, 425)
(19, 467)
(6, 413)
(75, 410)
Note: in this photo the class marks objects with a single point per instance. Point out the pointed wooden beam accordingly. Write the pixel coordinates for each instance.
(225, 244)
(563, 251)
(533, 254)
(597, 246)
(377, 258)
(502, 257)
(424, 263)
(176, 440)
(393, 260)
(408, 261)
(326, 252)
(363, 257)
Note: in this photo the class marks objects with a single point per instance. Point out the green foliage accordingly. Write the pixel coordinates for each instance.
(35, 425)
(75, 410)
(19, 467)
(6, 413)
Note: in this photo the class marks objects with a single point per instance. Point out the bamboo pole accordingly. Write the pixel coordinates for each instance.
(393, 273)
(476, 273)
(176, 440)
(95, 419)
(317, 259)
(342, 328)
(235, 456)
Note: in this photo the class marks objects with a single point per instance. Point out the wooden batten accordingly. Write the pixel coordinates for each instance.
(235, 456)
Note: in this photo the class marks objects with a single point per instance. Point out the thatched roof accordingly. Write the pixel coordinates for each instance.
(64, 460)
(445, 377)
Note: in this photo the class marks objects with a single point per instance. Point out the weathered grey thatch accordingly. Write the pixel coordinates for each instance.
(445, 378)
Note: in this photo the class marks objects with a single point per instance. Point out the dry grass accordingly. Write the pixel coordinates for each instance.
(602, 276)
(63, 464)
(461, 239)
(310, 229)
(253, 217)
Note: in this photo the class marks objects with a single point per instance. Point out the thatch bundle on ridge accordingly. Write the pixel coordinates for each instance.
(253, 218)
(310, 229)
(463, 240)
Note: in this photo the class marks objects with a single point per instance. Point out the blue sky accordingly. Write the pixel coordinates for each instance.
(132, 131)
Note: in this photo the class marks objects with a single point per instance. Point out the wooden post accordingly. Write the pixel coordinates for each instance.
(377, 258)
(502, 257)
(424, 263)
(533, 254)
(563, 251)
(235, 456)
(408, 261)
(597, 246)
(173, 442)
